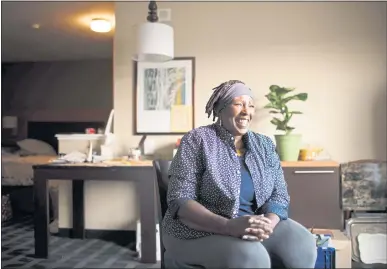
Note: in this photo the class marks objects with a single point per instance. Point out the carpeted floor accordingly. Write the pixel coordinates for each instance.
(17, 251)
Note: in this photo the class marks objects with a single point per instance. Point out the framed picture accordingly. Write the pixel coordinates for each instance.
(164, 97)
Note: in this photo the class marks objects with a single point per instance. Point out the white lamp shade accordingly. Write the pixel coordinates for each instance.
(9, 122)
(154, 43)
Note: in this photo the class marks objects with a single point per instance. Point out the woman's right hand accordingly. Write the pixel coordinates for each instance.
(249, 227)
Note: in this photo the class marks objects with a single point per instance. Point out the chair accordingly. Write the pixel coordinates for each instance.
(161, 168)
(363, 185)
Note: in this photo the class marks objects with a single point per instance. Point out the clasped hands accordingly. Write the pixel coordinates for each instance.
(252, 228)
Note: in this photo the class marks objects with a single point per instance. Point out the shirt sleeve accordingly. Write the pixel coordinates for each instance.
(185, 173)
(278, 202)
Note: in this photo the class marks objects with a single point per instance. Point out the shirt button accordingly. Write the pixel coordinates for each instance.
(238, 172)
(232, 138)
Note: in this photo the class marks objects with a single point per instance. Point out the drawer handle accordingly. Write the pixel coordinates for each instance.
(314, 172)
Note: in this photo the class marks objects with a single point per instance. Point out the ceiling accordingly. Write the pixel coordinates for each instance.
(64, 32)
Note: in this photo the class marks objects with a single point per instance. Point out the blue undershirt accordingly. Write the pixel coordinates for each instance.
(247, 194)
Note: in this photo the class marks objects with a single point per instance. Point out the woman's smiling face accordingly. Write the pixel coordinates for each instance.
(236, 116)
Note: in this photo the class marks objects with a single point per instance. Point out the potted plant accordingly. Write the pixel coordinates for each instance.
(288, 144)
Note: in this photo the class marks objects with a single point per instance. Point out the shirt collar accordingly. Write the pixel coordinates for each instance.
(229, 138)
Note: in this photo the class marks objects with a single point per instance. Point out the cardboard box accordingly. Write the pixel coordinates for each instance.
(342, 244)
(343, 247)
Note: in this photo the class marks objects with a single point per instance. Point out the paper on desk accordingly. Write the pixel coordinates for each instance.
(121, 162)
(75, 157)
(181, 118)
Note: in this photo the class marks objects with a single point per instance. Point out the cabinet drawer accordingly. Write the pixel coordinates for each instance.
(314, 196)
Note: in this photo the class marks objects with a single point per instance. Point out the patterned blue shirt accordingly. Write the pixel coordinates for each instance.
(206, 169)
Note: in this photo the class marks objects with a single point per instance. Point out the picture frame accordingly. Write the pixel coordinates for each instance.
(164, 97)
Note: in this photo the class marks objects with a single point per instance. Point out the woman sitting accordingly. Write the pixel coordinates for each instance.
(227, 197)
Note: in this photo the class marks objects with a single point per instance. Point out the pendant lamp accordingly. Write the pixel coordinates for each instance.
(154, 39)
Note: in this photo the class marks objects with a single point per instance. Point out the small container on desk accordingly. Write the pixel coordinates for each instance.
(134, 154)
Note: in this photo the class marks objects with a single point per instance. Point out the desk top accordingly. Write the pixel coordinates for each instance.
(105, 164)
(47, 163)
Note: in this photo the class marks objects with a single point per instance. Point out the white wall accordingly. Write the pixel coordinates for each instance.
(335, 51)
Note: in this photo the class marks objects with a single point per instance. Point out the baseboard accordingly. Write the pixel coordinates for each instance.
(121, 237)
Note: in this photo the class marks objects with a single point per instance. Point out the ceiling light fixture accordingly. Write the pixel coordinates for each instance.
(100, 25)
(154, 40)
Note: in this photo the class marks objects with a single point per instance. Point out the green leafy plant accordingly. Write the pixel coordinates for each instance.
(279, 98)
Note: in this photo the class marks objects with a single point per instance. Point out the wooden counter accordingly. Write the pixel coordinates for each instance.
(310, 164)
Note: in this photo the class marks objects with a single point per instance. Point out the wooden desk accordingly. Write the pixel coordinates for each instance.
(140, 172)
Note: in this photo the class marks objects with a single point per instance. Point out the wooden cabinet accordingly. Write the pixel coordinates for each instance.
(314, 189)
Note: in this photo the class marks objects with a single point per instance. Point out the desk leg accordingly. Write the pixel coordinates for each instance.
(147, 193)
(41, 217)
(78, 209)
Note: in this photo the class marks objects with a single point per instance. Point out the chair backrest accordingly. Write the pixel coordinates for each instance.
(363, 185)
(161, 168)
